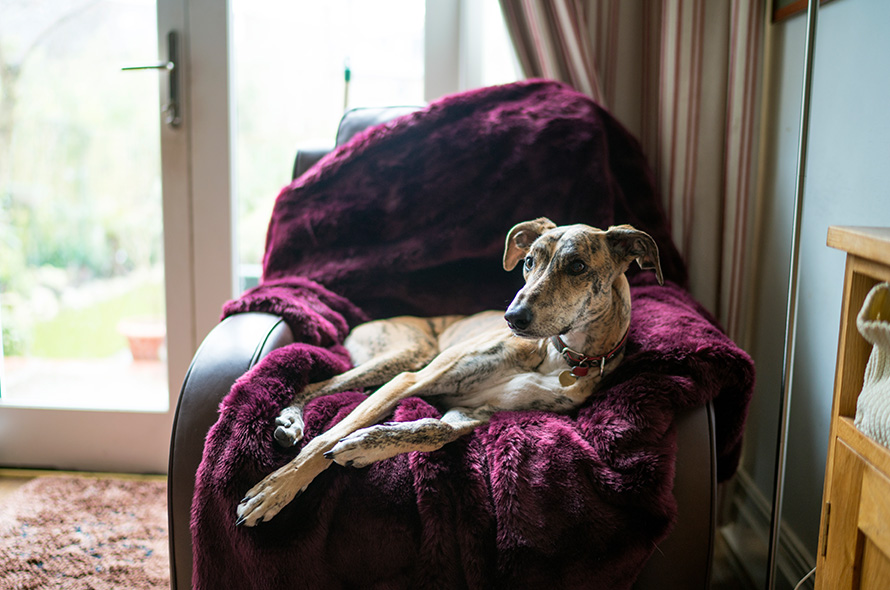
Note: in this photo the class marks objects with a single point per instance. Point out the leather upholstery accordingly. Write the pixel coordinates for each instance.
(683, 560)
(306, 158)
(359, 119)
(353, 121)
(231, 348)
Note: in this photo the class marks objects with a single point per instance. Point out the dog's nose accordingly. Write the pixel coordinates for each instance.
(518, 318)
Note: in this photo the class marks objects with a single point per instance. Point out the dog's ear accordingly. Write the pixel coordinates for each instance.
(628, 243)
(521, 238)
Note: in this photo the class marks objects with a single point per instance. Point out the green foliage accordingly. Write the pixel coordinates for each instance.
(80, 185)
(92, 331)
(13, 338)
(81, 182)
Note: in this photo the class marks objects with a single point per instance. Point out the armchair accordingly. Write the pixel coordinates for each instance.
(246, 337)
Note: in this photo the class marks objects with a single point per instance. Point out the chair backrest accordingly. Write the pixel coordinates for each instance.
(353, 121)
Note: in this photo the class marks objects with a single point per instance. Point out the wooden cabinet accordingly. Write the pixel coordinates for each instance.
(854, 540)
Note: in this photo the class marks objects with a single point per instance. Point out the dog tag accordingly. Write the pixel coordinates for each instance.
(567, 378)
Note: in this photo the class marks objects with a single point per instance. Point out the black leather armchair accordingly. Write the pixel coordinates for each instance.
(682, 561)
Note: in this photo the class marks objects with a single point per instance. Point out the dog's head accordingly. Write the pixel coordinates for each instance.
(574, 274)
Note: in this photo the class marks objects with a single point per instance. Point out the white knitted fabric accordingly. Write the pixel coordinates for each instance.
(873, 407)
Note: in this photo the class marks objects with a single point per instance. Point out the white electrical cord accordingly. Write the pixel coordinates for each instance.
(805, 578)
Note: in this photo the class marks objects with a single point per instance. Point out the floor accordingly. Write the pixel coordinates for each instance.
(13, 479)
(9, 484)
(725, 574)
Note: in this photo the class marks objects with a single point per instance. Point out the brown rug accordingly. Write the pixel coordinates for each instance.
(85, 533)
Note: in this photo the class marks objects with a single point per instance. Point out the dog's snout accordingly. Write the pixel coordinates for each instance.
(519, 318)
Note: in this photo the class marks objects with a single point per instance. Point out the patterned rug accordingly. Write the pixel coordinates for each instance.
(84, 533)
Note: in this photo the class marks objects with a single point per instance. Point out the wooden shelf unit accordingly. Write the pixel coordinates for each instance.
(854, 537)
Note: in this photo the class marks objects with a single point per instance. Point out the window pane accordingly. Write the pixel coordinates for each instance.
(81, 261)
(290, 58)
(499, 62)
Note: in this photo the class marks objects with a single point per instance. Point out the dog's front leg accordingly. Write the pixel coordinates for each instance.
(267, 498)
(289, 423)
(382, 441)
(381, 350)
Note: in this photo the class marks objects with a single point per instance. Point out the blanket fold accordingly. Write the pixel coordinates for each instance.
(407, 215)
(410, 217)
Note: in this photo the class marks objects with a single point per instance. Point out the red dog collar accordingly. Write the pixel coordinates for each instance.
(581, 363)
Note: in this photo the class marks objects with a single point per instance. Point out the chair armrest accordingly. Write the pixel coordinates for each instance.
(231, 348)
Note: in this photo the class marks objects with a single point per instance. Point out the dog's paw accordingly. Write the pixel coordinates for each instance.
(289, 426)
(363, 447)
(265, 500)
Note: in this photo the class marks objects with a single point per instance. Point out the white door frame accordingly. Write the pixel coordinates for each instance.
(198, 258)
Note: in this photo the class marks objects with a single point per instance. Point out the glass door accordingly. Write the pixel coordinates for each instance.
(97, 300)
(83, 255)
(116, 226)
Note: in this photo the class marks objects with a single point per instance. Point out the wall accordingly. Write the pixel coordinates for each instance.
(849, 154)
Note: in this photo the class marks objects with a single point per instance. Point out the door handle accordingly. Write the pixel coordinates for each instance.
(171, 110)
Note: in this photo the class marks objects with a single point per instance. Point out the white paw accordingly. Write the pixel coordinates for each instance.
(265, 500)
(289, 429)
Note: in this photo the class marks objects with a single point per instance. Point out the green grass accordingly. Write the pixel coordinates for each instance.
(91, 332)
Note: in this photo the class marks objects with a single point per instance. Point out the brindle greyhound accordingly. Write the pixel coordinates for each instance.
(564, 330)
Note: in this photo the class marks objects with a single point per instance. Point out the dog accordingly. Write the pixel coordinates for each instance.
(565, 329)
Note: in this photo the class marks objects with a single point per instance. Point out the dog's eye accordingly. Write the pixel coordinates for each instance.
(576, 267)
(529, 262)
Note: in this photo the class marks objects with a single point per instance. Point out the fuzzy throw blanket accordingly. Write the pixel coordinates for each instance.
(411, 217)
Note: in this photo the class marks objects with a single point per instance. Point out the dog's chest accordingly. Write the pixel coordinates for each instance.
(508, 387)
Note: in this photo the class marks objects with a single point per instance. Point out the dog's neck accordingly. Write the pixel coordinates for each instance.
(606, 332)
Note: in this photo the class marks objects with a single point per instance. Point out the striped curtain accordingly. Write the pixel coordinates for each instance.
(684, 77)
(552, 41)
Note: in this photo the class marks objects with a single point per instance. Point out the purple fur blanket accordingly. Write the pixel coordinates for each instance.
(410, 217)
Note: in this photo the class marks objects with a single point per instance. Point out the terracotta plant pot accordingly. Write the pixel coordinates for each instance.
(144, 336)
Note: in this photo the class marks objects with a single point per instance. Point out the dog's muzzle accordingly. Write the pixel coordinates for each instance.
(519, 318)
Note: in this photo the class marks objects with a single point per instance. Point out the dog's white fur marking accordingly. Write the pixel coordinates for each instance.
(472, 366)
